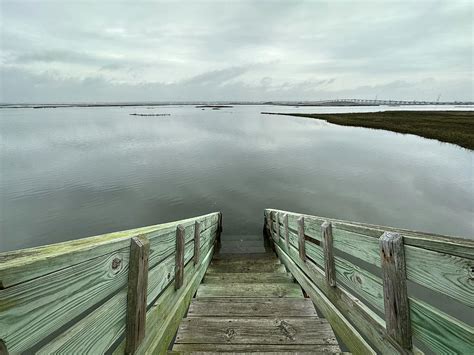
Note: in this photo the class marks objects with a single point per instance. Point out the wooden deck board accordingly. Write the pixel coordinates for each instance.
(258, 277)
(257, 307)
(246, 267)
(205, 349)
(250, 290)
(256, 330)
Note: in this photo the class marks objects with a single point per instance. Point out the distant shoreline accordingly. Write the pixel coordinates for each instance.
(456, 127)
(331, 103)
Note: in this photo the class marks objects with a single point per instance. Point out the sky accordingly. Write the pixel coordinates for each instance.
(96, 51)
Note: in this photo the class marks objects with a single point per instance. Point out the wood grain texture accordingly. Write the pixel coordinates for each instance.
(23, 265)
(366, 321)
(445, 268)
(250, 290)
(197, 242)
(34, 309)
(246, 267)
(257, 277)
(254, 306)
(301, 239)
(179, 258)
(397, 309)
(329, 268)
(259, 330)
(277, 221)
(343, 328)
(455, 246)
(286, 230)
(273, 349)
(136, 293)
(174, 305)
(98, 331)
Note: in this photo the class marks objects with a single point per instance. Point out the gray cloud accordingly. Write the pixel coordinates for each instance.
(243, 50)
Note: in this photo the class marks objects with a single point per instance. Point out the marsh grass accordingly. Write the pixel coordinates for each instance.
(447, 126)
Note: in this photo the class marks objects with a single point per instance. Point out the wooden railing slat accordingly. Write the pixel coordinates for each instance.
(179, 255)
(197, 242)
(137, 293)
(301, 239)
(397, 309)
(98, 331)
(329, 269)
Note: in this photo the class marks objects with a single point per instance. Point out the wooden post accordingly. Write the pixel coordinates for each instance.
(277, 226)
(137, 293)
(269, 224)
(3, 348)
(329, 268)
(272, 217)
(179, 257)
(301, 240)
(397, 309)
(197, 242)
(287, 232)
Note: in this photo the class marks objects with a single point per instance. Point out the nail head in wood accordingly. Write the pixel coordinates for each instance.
(329, 267)
(301, 241)
(397, 309)
(197, 242)
(137, 293)
(179, 257)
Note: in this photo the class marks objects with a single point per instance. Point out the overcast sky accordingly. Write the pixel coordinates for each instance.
(56, 51)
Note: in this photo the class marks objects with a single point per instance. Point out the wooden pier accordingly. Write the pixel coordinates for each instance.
(311, 284)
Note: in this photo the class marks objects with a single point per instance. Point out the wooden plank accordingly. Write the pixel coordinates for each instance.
(250, 290)
(278, 226)
(250, 262)
(286, 231)
(22, 265)
(397, 309)
(244, 267)
(329, 269)
(273, 349)
(197, 242)
(99, 330)
(437, 330)
(34, 309)
(456, 246)
(343, 328)
(301, 239)
(366, 321)
(165, 315)
(440, 272)
(242, 256)
(179, 258)
(287, 330)
(137, 293)
(244, 277)
(256, 307)
(440, 332)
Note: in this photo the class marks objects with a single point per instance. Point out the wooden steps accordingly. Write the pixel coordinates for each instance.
(248, 303)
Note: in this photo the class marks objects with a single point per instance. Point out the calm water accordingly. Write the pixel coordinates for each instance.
(68, 173)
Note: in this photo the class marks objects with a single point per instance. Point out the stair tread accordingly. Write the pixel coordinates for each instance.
(250, 290)
(247, 277)
(255, 307)
(246, 267)
(256, 330)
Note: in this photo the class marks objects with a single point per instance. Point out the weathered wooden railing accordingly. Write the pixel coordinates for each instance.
(118, 292)
(357, 274)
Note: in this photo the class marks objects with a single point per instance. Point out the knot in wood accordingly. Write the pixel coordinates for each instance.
(229, 333)
(471, 272)
(116, 263)
(287, 330)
